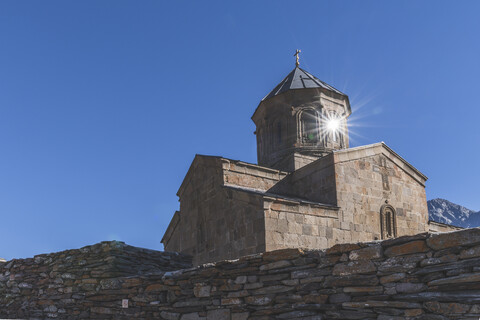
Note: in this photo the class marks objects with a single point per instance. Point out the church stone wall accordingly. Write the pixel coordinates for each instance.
(368, 178)
(199, 187)
(248, 175)
(226, 226)
(359, 181)
(230, 208)
(294, 161)
(315, 182)
(216, 222)
(420, 277)
(291, 224)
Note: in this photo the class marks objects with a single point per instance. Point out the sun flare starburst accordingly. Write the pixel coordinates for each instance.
(333, 124)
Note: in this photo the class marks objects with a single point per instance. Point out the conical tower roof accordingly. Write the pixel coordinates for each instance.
(300, 79)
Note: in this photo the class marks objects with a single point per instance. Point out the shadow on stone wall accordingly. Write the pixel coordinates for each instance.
(427, 276)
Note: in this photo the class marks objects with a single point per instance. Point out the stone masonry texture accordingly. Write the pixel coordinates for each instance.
(281, 133)
(230, 209)
(423, 276)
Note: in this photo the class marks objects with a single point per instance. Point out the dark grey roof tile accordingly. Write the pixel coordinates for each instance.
(300, 79)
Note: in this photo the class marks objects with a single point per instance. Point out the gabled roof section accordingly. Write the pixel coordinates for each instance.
(377, 148)
(300, 79)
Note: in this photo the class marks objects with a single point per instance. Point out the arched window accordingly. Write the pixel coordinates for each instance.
(388, 223)
(333, 126)
(309, 120)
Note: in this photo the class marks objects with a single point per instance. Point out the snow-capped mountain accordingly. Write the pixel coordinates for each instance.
(443, 211)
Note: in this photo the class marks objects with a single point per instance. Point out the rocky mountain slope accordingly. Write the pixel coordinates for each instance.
(444, 211)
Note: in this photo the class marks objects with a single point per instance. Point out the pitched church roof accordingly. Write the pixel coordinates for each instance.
(300, 79)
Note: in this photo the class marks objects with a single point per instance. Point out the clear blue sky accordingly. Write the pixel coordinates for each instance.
(103, 104)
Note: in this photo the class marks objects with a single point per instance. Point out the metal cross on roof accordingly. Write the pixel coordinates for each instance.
(297, 63)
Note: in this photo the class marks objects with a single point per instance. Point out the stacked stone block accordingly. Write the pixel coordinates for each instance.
(425, 276)
(64, 284)
(231, 208)
(220, 216)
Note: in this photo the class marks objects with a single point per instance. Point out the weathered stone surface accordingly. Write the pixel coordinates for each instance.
(464, 278)
(447, 308)
(470, 253)
(156, 287)
(169, 315)
(201, 290)
(367, 253)
(238, 294)
(453, 239)
(258, 300)
(284, 254)
(339, 298)
(449, 266)
(400, 263)
(296, 314)
(100, 310)
(342, 248)
(413, 312)
(192, 302)
(354, 267)
(392, 278)
(376, 290)
(407, 287)
(273, 289)
(470, 296)
(315, 298)
(406, 248)
(351, 280)
(389, 317)
(435, 260)
(404, 239)
(345, 314)
(432, 285)
(276, 265)
(382, 304)
(309, 273)
(255, 285)
(240, 316)
(218, 314)
(230, 301)
(191, 316)
(241, 279)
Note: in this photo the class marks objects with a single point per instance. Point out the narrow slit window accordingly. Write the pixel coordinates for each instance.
(387, 222)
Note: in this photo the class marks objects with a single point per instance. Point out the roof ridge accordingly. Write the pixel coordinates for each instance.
(323, 82)
(294, 80)
(312, 77)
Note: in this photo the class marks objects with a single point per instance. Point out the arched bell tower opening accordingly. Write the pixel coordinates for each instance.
(299, 121)
(309, 126)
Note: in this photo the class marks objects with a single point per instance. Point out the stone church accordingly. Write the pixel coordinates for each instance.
(308, 190)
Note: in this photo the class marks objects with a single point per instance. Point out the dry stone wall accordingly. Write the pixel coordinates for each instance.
(425, 276)
(63, 284)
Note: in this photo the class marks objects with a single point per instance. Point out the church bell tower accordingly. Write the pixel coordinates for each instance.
(299, 121)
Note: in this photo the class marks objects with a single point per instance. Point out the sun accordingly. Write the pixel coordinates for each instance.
(333, 124)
